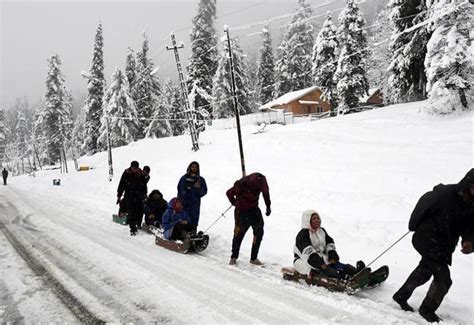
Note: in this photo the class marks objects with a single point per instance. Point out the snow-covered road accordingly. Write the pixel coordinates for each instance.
(362, 172)
(133, 280)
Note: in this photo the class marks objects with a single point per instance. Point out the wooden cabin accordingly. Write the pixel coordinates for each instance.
(300, 102)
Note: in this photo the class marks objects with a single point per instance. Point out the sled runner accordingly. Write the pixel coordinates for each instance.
(120, 218)
(193, 243)
(362, 280)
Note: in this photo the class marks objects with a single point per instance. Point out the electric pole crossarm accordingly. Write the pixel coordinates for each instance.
(184, 92)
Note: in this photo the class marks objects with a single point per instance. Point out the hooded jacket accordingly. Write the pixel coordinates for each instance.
(172, 217)
(315, 247)
(155, 207)
(440, 217)
(246, 191)
(191, 195)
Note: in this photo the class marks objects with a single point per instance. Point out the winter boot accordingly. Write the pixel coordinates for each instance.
(430, 316)
(256, 262)
(133, 233)
(402, 302)
(233, 261)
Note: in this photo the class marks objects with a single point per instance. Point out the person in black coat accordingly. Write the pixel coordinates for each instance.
(132, 185)
(440, 217)
(5, 176)
(155, 206)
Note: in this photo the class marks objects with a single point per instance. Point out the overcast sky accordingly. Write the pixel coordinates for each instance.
(31, 31)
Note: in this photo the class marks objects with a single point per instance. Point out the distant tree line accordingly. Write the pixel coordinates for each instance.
(427, 57)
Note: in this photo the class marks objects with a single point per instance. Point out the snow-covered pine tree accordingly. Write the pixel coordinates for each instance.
(21, 132)
(121, 112)
(56, 114)
(407, 77)
(293, 68)
(266, 69)
(223, 105)
(325, 61)
(379, 59)
(160, 125)
(449, 60)
(172, 98)
(3, 135)
(203, 61)
(95, 88)
(146, 89)
(130, 67)
(350, 74)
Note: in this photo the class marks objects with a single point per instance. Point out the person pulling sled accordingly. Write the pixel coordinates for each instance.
(317, 262)
(439, 219)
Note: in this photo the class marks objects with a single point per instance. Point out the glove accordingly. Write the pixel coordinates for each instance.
(267, 213)
(118, 201)
(467, 247)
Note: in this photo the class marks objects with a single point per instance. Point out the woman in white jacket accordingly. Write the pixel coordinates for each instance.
(315, 251)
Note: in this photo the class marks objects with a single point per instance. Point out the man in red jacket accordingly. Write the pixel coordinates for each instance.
(244, 196)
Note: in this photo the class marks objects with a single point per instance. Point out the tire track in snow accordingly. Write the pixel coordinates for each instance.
(71, 302)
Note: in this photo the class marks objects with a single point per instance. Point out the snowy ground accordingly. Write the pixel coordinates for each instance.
(363, 173)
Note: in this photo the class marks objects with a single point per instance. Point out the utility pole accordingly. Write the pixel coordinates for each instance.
(189, 115)
(236, 108)
(109, 148)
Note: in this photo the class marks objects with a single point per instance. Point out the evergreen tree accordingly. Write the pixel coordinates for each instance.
(95, 88)
(56, 114)
(172, 98)
(130, 67)
(293, 67)
(350, 75)
(449, 60)
(3, 135)
(266, 69)
(407, 77)
(146, 89)
(120, 111)
(203, 61)
(325, 62)
(223, 105)
(21, 132)
(379, 59)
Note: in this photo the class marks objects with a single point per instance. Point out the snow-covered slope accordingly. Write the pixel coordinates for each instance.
(363, 173)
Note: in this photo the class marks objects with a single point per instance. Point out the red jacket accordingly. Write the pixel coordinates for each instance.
(246, 191)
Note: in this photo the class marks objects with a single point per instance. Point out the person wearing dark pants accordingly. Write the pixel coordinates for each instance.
(440, 217)
(133, 187)
(244, 220)
(5, 176)
(244, 196)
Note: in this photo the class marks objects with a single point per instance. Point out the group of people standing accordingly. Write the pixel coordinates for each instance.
(183, 210)
(440, 218)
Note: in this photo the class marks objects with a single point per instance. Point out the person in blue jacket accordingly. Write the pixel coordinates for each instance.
(191, 188)
(176, 222)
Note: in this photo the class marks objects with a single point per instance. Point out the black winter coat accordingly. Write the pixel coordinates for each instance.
(133, 184)
(440, 217)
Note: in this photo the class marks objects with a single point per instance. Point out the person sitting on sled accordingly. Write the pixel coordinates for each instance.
(176, 222)
(154, 208)
(315, 251)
